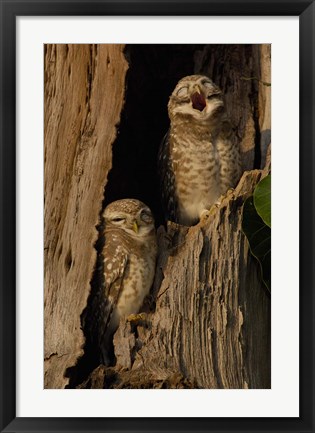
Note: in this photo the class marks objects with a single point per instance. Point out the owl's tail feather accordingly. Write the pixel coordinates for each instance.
(107, 353)
(106, 345)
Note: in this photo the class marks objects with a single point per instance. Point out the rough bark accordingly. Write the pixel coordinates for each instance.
(208, 321)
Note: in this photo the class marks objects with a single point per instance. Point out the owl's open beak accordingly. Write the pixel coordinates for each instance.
(135, 227)
(198, 101)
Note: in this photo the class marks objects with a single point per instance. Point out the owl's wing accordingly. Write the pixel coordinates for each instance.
(96, 320)
(115, 263)
(166, 175)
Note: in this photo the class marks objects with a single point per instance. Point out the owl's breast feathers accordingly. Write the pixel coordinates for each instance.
(197, 163)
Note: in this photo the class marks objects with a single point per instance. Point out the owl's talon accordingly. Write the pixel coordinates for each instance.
(205, 214)
(136, 318)
(229, 192)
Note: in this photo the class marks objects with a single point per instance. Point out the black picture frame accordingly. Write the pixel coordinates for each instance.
(10, 9)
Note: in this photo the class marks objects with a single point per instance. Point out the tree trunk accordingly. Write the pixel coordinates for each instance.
(208, 317)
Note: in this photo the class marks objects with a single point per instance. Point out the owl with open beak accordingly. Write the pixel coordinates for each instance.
(199, 157)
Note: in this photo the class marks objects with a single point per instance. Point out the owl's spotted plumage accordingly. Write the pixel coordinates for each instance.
(199, 157)
(129, 256)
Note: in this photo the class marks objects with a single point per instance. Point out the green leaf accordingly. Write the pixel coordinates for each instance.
(262, 199)
(259, 238)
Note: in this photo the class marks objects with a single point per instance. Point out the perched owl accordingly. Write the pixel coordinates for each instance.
(129, 256)
(199, 156)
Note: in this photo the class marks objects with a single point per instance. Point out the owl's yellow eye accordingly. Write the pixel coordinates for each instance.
(183, 91)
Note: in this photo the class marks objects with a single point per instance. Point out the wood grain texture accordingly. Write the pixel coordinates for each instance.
(264, 101)
(84, 94)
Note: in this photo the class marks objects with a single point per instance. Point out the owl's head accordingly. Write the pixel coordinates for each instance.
(131, 216)
(195, 97)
